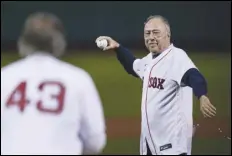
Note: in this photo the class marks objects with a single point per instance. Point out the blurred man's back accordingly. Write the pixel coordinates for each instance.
(48, 106)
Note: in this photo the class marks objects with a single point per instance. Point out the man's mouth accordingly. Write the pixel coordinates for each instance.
(152, 44)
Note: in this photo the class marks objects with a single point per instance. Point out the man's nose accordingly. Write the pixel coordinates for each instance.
(152, 36)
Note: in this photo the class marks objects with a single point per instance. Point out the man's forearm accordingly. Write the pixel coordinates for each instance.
(194, 79)
(127, 59)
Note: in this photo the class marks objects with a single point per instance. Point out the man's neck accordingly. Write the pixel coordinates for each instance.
(155, 54)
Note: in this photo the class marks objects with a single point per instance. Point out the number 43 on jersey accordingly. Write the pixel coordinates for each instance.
(22, 102)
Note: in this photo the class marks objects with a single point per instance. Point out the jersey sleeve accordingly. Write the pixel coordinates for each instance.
(181, 64)
(139, 66)
(92, 127)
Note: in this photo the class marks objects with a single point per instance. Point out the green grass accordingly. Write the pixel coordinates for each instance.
(128, 146)
(121, 93)
(211, 146)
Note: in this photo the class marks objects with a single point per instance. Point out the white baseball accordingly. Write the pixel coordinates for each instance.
(102, 43)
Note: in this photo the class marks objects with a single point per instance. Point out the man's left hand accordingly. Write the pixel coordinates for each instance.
(207, 109)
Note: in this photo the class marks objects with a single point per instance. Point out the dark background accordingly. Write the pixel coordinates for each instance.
(202, 26)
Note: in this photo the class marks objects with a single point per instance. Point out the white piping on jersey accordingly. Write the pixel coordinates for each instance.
(146, 100)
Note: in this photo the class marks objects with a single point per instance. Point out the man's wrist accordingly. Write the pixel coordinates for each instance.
(117, 45)
(202, 96)
(119, 48)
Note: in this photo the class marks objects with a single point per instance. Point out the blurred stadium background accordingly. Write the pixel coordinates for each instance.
(203, 29)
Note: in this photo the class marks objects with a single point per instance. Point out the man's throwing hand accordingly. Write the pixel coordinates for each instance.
(112, 44)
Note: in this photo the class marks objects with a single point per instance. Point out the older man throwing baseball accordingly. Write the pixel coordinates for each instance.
(169, 80)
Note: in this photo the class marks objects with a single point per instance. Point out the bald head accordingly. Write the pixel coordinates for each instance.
(42, 32)
(157, 34)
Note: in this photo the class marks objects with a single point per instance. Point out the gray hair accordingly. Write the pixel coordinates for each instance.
(165, 21)
(42, 32)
